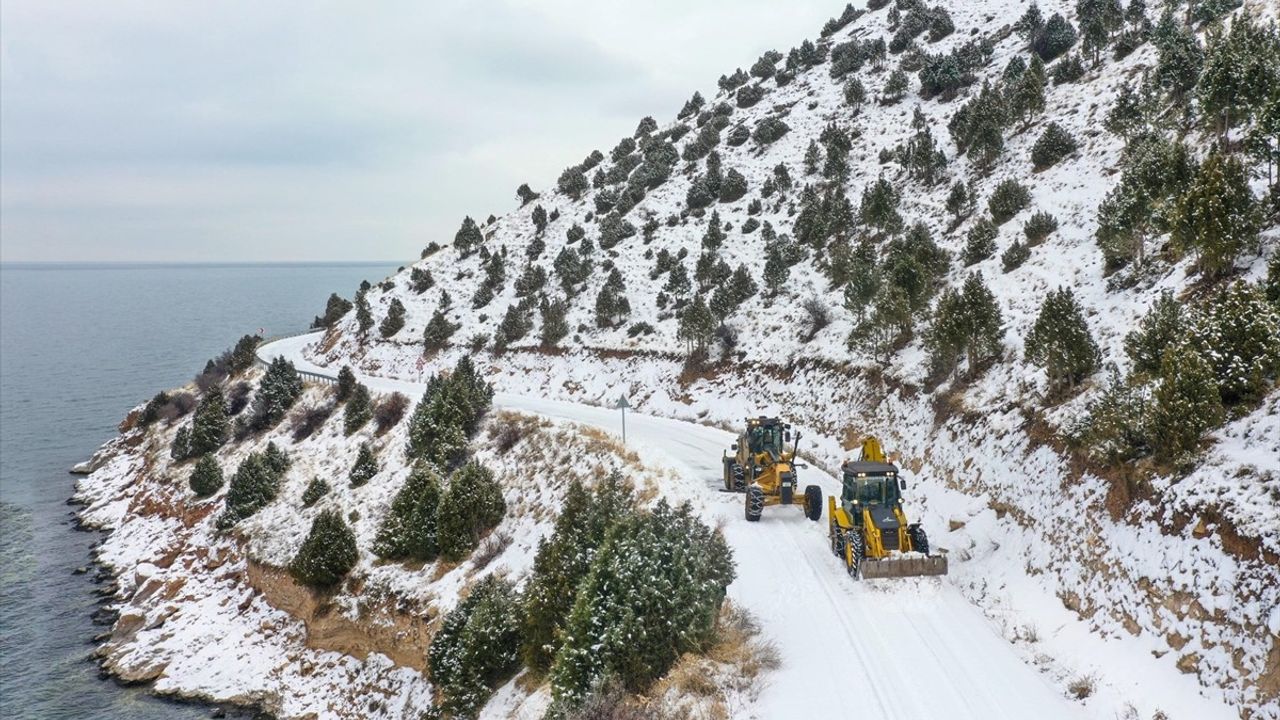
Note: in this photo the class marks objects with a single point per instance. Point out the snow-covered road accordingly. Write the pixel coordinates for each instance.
(907, 648)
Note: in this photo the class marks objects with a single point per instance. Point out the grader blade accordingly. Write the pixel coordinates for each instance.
(905, 566)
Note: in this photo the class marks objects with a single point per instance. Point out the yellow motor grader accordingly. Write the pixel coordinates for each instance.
(764, 470)
(867, 527)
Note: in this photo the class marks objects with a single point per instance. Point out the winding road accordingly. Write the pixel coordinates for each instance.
(907, 648)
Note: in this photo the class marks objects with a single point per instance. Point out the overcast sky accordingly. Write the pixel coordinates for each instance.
(243, 130)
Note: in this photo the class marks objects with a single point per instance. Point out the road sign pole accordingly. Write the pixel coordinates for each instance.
(622, 405)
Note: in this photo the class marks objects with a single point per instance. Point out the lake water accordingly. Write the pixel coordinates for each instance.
(79, 346)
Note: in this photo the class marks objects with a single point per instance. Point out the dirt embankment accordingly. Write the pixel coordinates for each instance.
(401, 636)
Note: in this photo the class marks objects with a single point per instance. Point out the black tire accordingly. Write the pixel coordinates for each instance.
(730, 467)
(813, 503)
(919, 540)
(754, 503)
(836, 536)
(857, 552)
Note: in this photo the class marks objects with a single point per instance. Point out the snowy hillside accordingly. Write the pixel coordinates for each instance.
(1178, 549)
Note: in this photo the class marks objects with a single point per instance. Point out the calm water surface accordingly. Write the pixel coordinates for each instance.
(79, 346)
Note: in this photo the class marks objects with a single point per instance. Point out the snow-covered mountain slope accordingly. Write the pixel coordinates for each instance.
(1183, 563)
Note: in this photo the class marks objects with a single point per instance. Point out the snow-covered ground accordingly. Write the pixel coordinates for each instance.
(907, 648)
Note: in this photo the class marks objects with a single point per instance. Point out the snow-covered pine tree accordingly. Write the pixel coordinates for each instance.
(468, 239)
(1184, 405)
(476, 648)
(328, 553)
(436, 335)
(555, 325)
(209, 427)
(315, 490)
(1217, 218)
(980, 242)
(408, 531)
(469, 507)
(1060, 341)
(1163, 326)
(1238, 334)
(1054, 144)
(279, 389)
(358, 410)
(612, 306)
(365, 466)
(394, 321)
(364, 316)
(697, 324)
(206, 476)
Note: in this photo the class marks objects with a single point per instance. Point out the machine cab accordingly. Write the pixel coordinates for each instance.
(766, 435)
(873, 485)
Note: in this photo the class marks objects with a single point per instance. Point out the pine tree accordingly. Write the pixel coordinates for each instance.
(652, 593)
(776, 270)
(209, 428)
(1272, 286)
(334, 309)
(1027, 99)
(1056, 37)
(1162, 327)
(358, 410)
(364, 316)
(180, 449)
(1241, 71)
(539, 217)
(468, 239)
(612, 306)
(980, 243)
(525, 194)
(714, 236)
(1217, 217)
(697, 324)
(1038, 227)
(1060, 341)
(960, 201)
(408, 531)
(555, 325)
(470, 506)
(1181, 57)
(1014, 256)
(895, 88)
(476, 648)
(365, 467)
(1238, 334)
(421, 280)
(1054, 144)
(394, 320)
(564, 559)
(328, 553)
(315, 490)
(965, 324)
(279, 389)
(346, 384)
(879, 207)
(254, 485)
(206, 476)
(812, 158)
(1116, 428)
(855, 93)
(438, 331)
(864, 279)
(1185, 403)
(1007, 200)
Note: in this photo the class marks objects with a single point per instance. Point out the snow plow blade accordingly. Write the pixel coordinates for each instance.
(895, 567)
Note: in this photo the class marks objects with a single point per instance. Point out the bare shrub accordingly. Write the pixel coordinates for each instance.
(180, 404)
(489, 550)
(307, 420)
(1081, 687)
(818, 317)
(238, 397)
(506, 429)
(390, 411)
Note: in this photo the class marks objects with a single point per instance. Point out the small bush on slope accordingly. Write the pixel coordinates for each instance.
(316, 489)
(408, 532)
(390, 411)
(1053, 145)
(475, 649)
(328, 553)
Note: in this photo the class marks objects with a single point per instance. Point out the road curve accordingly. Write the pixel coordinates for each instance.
(908, 648)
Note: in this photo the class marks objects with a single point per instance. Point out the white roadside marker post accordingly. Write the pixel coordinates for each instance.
(622, 405)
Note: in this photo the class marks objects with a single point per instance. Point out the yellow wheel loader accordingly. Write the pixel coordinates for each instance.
(764, 470)
(868, 529)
